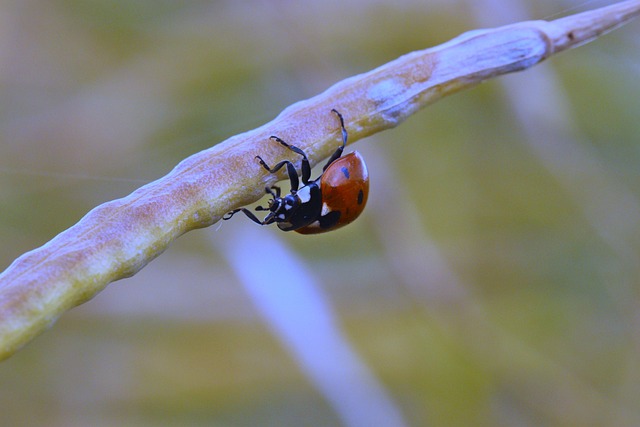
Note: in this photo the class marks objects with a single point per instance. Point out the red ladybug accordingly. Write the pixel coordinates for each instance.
(333, 200)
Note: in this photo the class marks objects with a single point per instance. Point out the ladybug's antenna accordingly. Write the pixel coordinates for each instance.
(344, 131)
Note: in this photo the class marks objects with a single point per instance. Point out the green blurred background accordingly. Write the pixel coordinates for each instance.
(492, 280)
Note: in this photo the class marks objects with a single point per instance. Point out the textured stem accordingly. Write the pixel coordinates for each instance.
(118, 238)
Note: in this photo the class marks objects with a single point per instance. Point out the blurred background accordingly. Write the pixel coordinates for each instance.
(492, 280)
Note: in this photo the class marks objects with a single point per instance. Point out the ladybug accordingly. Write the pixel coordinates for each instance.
(333, 200)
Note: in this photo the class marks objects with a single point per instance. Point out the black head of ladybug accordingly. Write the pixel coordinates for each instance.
(333, 200)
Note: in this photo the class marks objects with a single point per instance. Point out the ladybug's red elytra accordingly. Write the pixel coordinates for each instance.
(333, 200)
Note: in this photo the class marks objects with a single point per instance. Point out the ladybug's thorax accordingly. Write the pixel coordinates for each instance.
(304, 194)
(305, 210)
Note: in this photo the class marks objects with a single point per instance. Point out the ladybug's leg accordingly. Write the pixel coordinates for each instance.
(305, 167)
(291, 170)
(338, 152)
(247, 212)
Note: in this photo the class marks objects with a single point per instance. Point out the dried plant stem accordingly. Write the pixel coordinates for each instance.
(118, 238)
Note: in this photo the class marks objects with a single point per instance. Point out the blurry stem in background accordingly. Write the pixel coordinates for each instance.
(118, 238)
(301, 316)
(423, 271)
(611, 209)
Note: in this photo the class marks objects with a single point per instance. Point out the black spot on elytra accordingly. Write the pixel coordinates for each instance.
(360, 197)
(345, 171)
